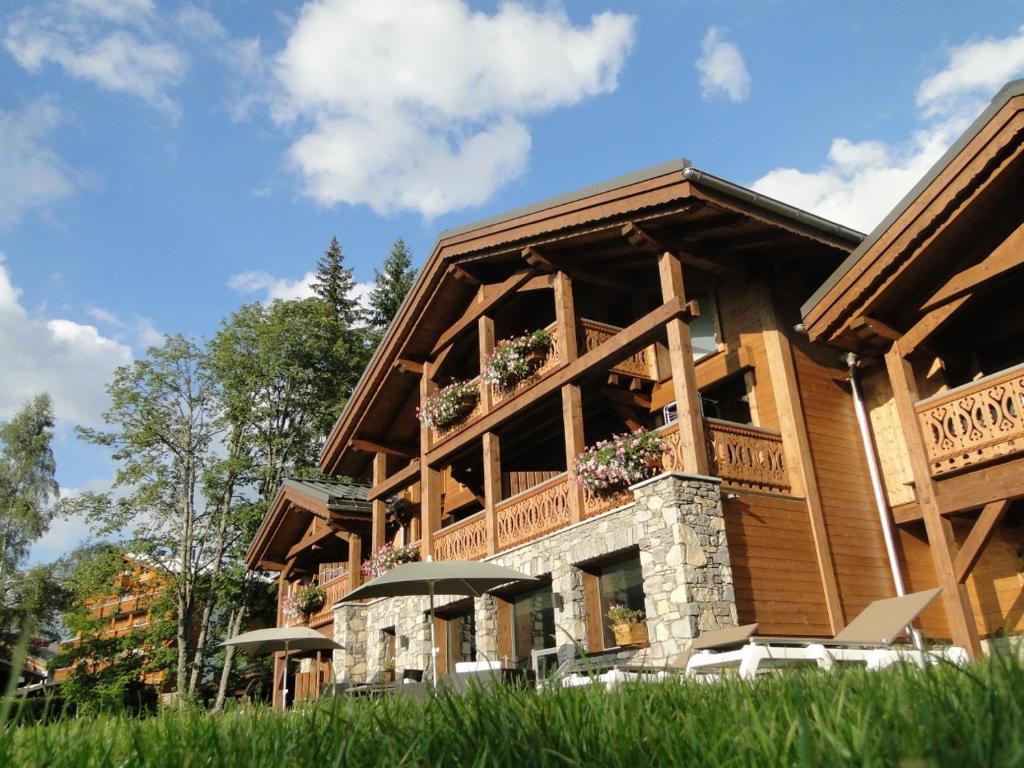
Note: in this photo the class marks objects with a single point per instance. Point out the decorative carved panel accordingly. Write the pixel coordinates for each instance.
(464, 540)
(975, 423)
(551, 360)
(639, 364)
(540, 510)
(741, 455)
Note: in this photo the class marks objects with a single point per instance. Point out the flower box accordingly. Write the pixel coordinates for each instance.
(624, 459)
(634, 633)
(450, 405)
(516, 359)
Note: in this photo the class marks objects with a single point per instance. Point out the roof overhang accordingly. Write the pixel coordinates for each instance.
(838, 312)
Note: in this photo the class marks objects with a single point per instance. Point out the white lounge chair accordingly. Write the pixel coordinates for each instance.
(866, 640)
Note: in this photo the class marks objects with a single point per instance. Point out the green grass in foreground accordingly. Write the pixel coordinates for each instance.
(944, 716)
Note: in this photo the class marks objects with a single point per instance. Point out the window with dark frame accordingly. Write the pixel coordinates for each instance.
(615, 580)
(460, 637)
(533, 623)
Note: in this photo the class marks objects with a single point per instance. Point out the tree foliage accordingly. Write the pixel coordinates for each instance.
(391, 284)
(334, 285)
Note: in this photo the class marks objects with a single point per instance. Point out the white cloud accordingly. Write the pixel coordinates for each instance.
(722, 69)
(861, 181)
(107, 43)
(32, 176)
(435, 119)
(71, 361)
(257, 282)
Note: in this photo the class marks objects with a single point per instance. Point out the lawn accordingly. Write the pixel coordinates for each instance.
(945, 716)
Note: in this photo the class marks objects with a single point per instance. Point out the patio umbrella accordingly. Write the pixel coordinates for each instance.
(441, 577)
(282, 639)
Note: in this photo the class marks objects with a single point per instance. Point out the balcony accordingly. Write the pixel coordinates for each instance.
(641, 365)
(974, 424)
(336, 589)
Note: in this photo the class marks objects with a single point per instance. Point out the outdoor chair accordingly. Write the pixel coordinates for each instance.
(867, 640)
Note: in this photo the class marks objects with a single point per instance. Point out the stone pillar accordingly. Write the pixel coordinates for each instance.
(350, 630)
(486, 620)
(684, 557)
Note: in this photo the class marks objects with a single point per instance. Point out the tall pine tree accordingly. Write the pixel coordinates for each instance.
(334, 285)
(390, 286)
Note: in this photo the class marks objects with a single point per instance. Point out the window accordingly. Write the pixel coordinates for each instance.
(617, 580)
(704, 329)
(389, 638)
(533, 623)
(460, 638)
(728, 400)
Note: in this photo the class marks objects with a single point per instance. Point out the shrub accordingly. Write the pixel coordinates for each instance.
(448, 406)
(511, 361)
(624, 459)
(620, 615)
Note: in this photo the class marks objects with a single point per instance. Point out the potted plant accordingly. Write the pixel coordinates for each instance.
(516, 358)
(387, 671)
(448, 406)
(310, 599)
(387, 557)
(622, 460)
(628, 625)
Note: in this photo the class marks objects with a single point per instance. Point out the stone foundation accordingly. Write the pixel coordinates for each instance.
(675, 523)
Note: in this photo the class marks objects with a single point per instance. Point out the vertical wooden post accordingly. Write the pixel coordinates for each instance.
(572, 396)
(485, 331)
(796, 448)
(430, 478)
(355, 560)
(492, 488)
(693, 451)
(378, 506)
(940, 540)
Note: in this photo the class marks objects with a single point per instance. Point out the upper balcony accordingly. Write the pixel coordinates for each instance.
(974, 424)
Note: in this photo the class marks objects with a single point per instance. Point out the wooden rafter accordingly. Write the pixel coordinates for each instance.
(869, 326)
(408, 366)
(477, 309)
(928, 325)
(399, 481)
(979, 536)
(461, 275)
(642, 240)
(391, 449)
(1006, 256)
(544, 263)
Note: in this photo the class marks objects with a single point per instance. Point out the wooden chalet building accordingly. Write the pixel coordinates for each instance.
(673, 299)
(931, 305)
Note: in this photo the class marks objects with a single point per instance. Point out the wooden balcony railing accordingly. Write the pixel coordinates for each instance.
(336, 589)
(975, 423)
(639, 365)
(533, 513)
(745, 456)
(464, 540)
(551, 361)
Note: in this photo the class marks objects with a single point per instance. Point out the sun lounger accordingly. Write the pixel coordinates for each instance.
(866, 640)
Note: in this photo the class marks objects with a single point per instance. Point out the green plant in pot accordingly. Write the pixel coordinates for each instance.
(448, 406)
(516, 359)
(387, 671)
(628, 625)
(310, 599)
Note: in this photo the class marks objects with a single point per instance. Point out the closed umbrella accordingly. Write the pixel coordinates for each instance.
(441, 577)
(282, 639)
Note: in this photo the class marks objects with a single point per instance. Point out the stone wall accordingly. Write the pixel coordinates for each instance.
(675, 523)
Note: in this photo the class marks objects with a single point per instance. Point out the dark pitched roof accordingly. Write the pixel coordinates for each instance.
(349, 497)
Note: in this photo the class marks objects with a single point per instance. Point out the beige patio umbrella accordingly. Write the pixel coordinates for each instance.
(441, 577)
(283, 639)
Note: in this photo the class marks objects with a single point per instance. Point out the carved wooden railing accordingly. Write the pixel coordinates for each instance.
(745, 456)
(975, 423)
(533, 513)
(335, 588)
(640, 364)
(595, 504)
(464, 540)
(551, 361)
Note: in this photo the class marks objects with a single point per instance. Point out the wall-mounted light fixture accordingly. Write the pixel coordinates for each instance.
(403, 642)
(558, 601)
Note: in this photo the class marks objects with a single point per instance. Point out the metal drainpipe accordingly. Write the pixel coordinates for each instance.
(881, 502)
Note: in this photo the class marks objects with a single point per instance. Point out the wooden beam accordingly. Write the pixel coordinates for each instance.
(430, 479)
(485, 334)
(631, 399)
(538, 283)
(492, 487)
(477, 309)
(928, 324)
(309, 540)
(378, 533)
(399, 481)
(796, 446)
(642, 240)
(627, 341)
(461, 275)
(942, 548)
(874, 327)
(979, 536)
(544, 264)
(409, 366)
(628, 416)
(693, 452)
(571, 394)
(372, 446)
(976, 489)
(355, 561)
(1006, 256)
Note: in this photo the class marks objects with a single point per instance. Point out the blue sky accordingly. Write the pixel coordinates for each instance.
(162, 163)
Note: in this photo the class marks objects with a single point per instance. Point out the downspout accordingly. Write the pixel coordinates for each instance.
(881, 501)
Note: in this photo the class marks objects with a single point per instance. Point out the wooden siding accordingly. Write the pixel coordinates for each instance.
(995, 587)
(774, 569)
(851, 518)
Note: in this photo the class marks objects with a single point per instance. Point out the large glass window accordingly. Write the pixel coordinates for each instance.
(533, 623)
(704, 329)
(728, 400)
(619, 583)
